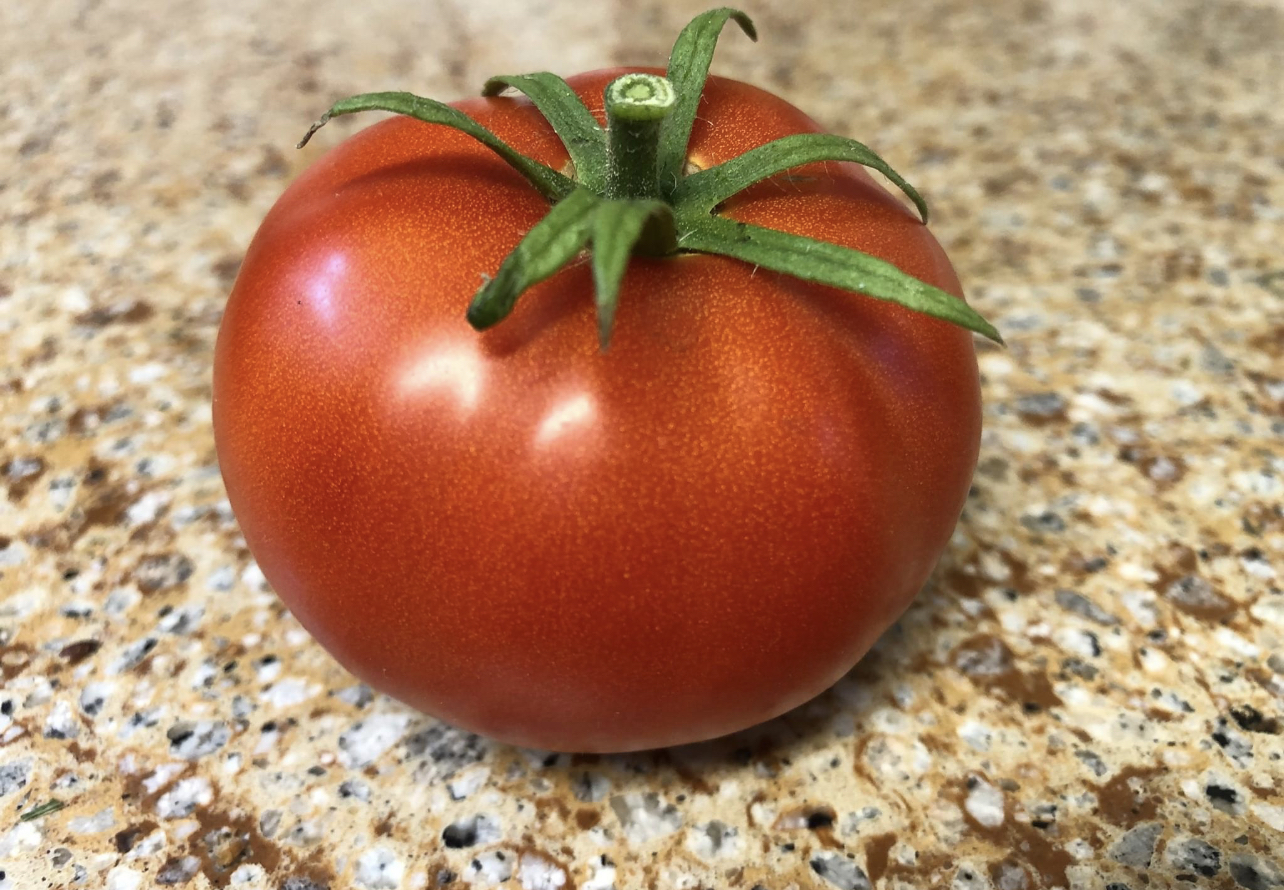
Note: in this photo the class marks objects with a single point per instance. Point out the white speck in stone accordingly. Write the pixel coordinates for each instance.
(296, 636)
(181, 621)
(147, 508)
(467, 782)
(645, 817)
(267, 741)
(1270, 814)
(124, 878)
(162, 776)
(99, 821)
(1269, 609)
(1081, 850)
(358, 695)
(251, 640)
(184, 798)
(253, 578)
(15, 553)
(712, 839)
(1233, 642)
(61, 722)
(14, 774)
(1258, 566)
(1185, 393)
(147, 373)
(366, 740)
(22, 837)
(1077, 642)
(1154, 661)
(493, 867)
(984, 803)
(120, 601)
(1141, 606)
(199, 739)
(181, 831)
(1262, 483)
(249, 873)
(1132, 571)
(221, 579)
(23, 603)
(74, 300)
(890, 720)
(417, 880)
(267, 671)
(153, 843)
(290, 691)
(603, 877)
(534, 872)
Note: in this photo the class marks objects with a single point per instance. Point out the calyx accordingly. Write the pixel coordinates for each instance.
(631, 192)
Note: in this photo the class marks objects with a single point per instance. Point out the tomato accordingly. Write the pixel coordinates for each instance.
(564, 547)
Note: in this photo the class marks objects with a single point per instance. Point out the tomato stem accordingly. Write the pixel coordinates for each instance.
(636, 106)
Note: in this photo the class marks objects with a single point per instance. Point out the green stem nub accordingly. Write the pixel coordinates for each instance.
(636, 105)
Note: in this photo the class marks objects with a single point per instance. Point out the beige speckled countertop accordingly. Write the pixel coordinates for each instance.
(1090, 693)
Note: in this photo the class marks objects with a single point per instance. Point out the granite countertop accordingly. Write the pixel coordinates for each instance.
(1089, 693)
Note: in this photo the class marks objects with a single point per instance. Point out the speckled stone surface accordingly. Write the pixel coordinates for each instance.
(1090, 692)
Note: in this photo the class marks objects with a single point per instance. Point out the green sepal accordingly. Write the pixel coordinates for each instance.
(709, 188)
(547, 247)
(831, 264)
(688, 70)
(617, 226)
(551, 184)
(581, 134)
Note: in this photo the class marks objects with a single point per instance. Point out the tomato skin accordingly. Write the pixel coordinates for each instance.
(690, 533)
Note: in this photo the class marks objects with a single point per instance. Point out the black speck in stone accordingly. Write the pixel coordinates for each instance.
(1222, 793)
(1117, 886)
(1250, 719)
(1040, 824)
(270, 726)
(229, 667)
(267, 659)
(742, 756)
(1047, 521)
(316, 770)
(6, 707)
(1032, 707)
(460, 834)
(820, 819)
(788, 848)
(70, 574)
(550, 760)
(681, 798)
(445, 876)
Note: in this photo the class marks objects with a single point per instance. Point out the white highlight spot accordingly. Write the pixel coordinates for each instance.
(564, 416)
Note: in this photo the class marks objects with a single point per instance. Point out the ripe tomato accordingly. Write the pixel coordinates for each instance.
(567, 548)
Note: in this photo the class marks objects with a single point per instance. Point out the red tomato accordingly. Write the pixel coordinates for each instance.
(566, 548)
